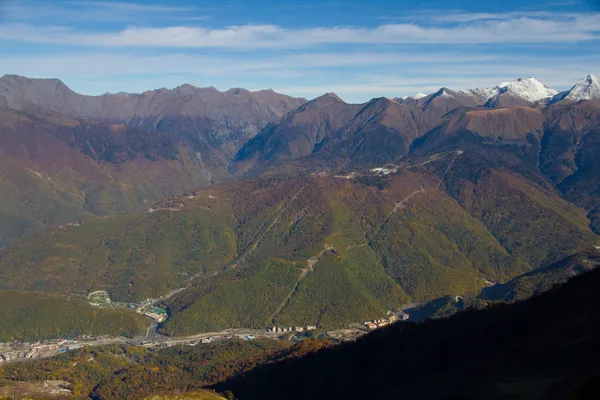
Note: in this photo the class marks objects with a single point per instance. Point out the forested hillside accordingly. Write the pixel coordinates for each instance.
(316, 250)
(542, 348)
(125, 372)
(33, 316)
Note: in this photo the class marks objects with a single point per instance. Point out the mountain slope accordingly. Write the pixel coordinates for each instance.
(380, 132)
(66, 156)
(555, 146)
(33, 316)
(569, 154)
(297, 134)
(247, 249)
(543, 348)
(58, 170)
(588, 89)
(225, 120)
(336, 133)
(525, 91)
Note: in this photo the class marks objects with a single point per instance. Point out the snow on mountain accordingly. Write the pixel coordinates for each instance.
(529, 89)
(587, 89)
(418, 96)
(485, 93)
(523, 91)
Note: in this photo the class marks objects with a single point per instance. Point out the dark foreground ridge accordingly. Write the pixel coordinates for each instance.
(542, 348)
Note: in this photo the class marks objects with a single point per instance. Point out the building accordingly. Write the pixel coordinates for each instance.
(155, 316)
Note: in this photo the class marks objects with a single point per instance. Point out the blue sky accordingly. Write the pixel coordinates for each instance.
(359, 49)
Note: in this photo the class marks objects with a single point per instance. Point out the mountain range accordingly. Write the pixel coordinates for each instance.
(273, 209)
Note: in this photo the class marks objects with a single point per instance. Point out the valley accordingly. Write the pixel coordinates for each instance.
(257, 228)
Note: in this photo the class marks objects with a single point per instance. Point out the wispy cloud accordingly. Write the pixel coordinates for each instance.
(124, 64)
(147, 45)
(402, 74)
(567, 28)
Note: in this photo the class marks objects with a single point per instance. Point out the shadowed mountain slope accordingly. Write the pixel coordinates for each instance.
(297, 134)
(542, 348)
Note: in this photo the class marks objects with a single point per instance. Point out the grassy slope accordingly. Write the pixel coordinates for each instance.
(32, 316)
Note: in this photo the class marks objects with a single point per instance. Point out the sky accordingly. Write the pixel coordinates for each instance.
(359, 49)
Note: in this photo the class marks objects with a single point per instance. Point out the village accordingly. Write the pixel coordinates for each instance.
(147, 308)
(19, 351)
(22, 351)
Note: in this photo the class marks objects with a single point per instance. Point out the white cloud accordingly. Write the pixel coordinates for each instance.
(519, 30)
(357, 62)
(307, 74)
(126, 64)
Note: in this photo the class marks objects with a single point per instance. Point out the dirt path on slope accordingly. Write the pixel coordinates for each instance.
(266, 228)
(310, 266)
(398, 206)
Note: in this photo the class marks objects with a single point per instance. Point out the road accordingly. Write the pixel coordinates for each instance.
(52, 350)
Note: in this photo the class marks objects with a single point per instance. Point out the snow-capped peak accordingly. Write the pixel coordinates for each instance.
(587, 89)
(418, 96)
(443, 92)
(529, 89)
(485, 93)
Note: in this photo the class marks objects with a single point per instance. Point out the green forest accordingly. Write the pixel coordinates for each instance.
(243, 250)
(126, 372)
(33, 316)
